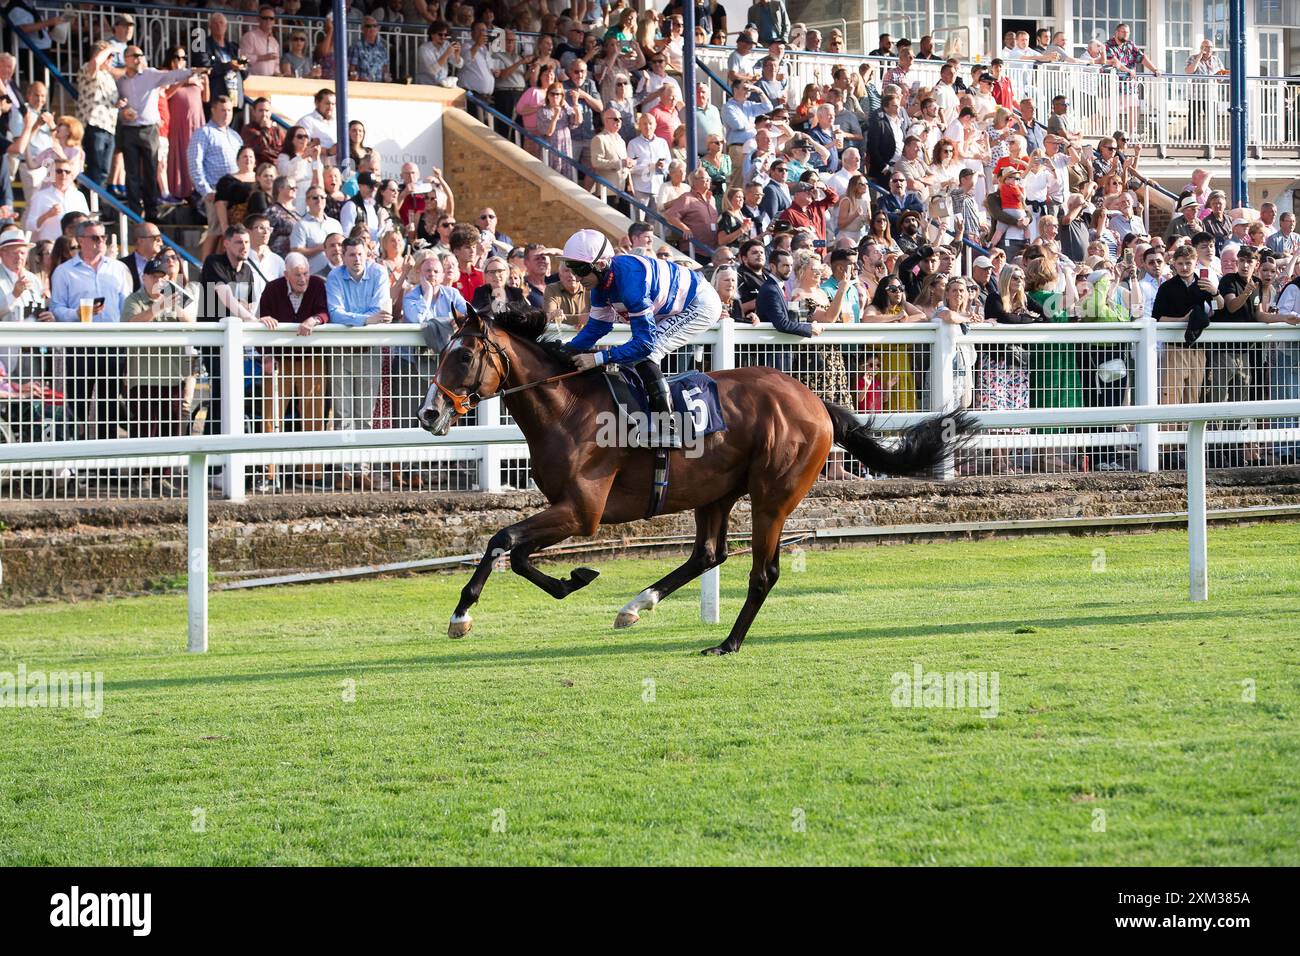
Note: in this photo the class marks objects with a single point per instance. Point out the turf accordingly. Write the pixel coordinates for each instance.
(1124, 734)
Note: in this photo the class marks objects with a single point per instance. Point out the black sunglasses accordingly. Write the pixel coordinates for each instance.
(579, 269)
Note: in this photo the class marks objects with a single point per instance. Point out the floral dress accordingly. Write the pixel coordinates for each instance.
(561, 140)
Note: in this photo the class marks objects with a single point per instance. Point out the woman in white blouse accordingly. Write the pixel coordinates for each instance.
(299, 160)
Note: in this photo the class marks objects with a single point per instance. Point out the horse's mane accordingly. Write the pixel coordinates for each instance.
(531, 325)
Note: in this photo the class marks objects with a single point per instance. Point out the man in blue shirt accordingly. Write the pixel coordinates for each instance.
(666, 304)
(212, 154)
(91, 287)
(738, 115)
(357, 294)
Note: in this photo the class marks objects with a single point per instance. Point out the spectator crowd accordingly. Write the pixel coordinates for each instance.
(866, 196)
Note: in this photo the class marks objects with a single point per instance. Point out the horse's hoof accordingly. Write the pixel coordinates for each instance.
(459, 627)
(717, 651)
(581, 577)
(626, 618)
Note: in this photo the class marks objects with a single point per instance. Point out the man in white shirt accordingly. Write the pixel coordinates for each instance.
(20, 291)
(650, 156)
(320, 124)
(308, 237)
(945, 94)
(1153, 273)
(49, 204)
(477, 73)
(33, 173)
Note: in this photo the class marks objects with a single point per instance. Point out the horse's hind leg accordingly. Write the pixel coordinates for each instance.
(520, 541)
(710, 551)
(762, 577)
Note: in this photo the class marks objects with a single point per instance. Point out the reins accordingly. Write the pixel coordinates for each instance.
(464, 404)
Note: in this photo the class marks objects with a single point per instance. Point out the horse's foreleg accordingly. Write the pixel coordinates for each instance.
(710, 551)
(543, 530)
(519, 541)
(461, 622)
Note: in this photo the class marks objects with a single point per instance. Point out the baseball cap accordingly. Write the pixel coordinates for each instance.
(125, 19)
(366, 179)
(982, 262)
(801, 188)
(156, 266)
(745, 38)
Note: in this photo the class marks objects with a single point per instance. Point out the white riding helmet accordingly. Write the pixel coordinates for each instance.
(588, 245)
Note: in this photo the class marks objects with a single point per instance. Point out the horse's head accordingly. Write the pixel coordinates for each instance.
(471, 367)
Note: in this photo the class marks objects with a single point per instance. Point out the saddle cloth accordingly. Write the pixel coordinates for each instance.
(694, 395)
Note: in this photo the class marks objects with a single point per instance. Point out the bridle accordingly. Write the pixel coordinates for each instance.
(464, 404)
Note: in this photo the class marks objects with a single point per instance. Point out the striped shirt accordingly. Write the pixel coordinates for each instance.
(645, 289)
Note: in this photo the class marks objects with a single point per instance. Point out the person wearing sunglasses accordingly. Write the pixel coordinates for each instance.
(259, 45)
(667, 305)
(53, 201)
(437, 55)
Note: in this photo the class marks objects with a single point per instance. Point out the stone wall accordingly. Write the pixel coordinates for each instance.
(62, 552)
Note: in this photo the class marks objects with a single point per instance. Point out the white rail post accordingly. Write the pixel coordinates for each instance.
(489, 456)
(1196, 544)
(197, 572)
(943, 392)
(1146, 371)
(724, 357)
(232, 403)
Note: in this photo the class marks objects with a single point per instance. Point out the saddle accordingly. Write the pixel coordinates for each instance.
(694, 400)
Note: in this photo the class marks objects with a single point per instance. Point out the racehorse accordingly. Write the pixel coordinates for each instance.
(777, 437)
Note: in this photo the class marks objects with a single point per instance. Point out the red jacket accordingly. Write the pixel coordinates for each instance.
(276, 303)
(814, 214)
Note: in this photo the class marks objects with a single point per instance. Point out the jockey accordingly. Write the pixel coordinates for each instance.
(666, 304)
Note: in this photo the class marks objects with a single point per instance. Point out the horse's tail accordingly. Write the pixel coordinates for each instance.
(920, 448)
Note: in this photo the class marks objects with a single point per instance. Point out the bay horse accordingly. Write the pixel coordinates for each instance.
(777, 437)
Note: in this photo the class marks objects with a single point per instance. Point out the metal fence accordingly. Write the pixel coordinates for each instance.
(66, 382)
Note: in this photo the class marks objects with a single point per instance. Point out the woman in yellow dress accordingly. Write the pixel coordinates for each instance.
(890, 305)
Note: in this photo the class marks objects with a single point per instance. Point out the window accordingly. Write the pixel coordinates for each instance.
(904, 18)
(1216, 23)
(1097, 21)
(1270, 52)
(1179, 42)
(1277, 13)
(1028, 10)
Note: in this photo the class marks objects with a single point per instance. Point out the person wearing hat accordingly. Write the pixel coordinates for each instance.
(743, 62)
(1186, 220)
(123, 32)
(362, 207)
(155, 378)
(666, 303)
(20, 291)
(1216, 221)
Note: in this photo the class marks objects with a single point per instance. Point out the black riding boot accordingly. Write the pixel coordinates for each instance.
(663, 421)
